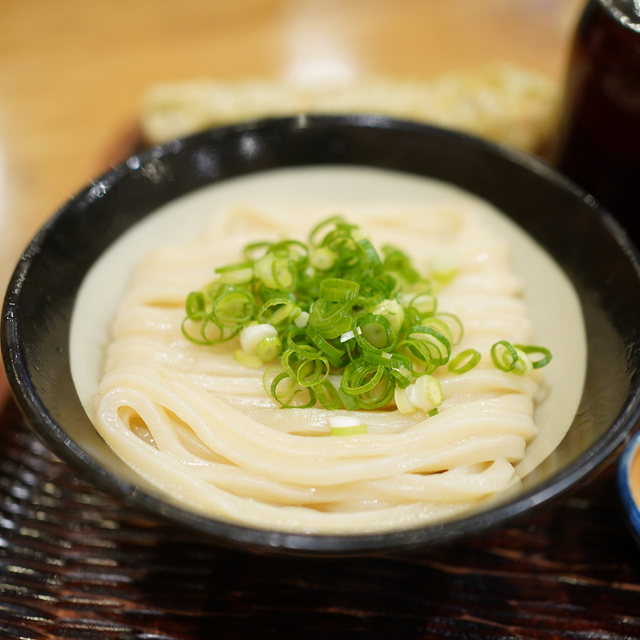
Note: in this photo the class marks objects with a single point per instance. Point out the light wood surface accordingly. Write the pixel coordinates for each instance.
(72, 72)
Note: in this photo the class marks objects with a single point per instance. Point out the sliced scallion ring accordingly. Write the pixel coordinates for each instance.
(543, 352)
(195, 306)
(504, 356)
(289, 394)
(240, 273)
(464, 361)
(346, 426)
(276, 310)
(374, 333)
(339, 289)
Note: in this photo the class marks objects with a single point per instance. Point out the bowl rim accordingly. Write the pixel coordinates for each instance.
(229, 533)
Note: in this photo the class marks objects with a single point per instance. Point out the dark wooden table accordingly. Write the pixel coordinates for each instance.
(76, 564)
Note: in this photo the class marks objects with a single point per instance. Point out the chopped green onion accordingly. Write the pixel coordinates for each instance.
(346, 426)
(269, 348)
(256, 250)
(236, 273)
(306, 370)
(338, 289)
(258, 341)
(374, 333)
(360, 378)
(371, 254)
(444, 266)
(253, 334)
(447, 324)
(331, 319)
(322, 259)
(393, 311)
(333, 353)
(545, 354)
(508, 357)
(292, 249)
(350, 327)
(428, 348)
(328, 396)
(289, 394)
(277, 310)
(424, 304)
(195, 306)
(275, 273)
(424, 394)
(504, 356)
(464, 361)
(387, 359)
(301, 320)
(321, 226)
(231, 308)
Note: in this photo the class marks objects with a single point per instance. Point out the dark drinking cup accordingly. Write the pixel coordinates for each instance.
(598, 143)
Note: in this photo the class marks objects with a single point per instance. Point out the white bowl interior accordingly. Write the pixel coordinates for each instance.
(553, 303)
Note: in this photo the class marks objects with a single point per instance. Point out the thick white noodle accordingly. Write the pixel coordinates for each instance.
(199, 426)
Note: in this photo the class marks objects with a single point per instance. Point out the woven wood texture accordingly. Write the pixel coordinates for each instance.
(75, 564)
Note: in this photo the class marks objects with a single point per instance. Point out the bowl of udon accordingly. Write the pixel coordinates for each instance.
(328, 335)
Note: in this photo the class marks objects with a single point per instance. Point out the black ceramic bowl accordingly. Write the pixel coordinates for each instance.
(583, 240)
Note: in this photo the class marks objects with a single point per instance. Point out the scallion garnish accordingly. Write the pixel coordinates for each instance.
(350, 327)
(464, 361)
(346, 426)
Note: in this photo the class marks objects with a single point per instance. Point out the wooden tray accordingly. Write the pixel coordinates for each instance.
(76, 564)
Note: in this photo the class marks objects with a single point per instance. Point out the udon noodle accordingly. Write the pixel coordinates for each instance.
(198, 425)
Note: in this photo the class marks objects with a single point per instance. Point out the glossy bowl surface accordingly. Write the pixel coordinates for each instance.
(579, 235)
